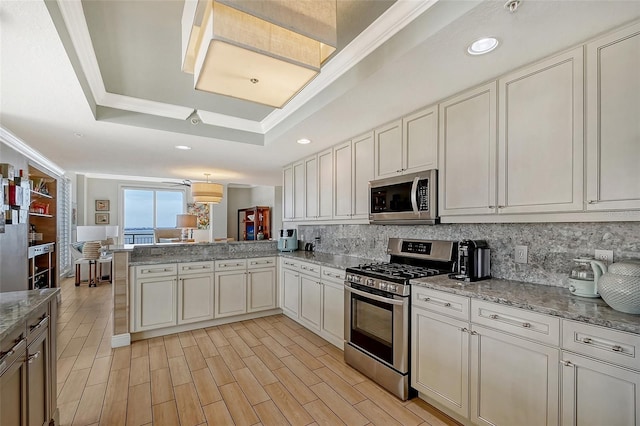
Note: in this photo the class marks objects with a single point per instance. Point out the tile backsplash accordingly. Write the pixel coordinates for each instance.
(552, 246)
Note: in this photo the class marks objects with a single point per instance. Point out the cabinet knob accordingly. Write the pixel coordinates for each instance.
(473, 333)
(587, 340)
(33, 357)
(526, 325)
(447, 304)
(464, 329)
(566, 363)
(617, 348)
(493, 316)
(592, 201)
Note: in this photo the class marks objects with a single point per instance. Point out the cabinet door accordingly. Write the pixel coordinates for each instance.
(195, 298)
(38, 385)
(230, 293)
(261, 289)
(440, 359)
(311, 187)
(420, 140)
(298, 190)
(388, 150)
(467, 180)
(156, 303)
(342, 182)
(595, 393)
(513, 381)
(541, 140)
(613, 108)
(13, 394)
(290, 292)
(310, 301)
(362, 170)
(333, 313)
(287, 193)
(325, 184)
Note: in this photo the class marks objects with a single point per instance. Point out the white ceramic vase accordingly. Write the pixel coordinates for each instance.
(620, 287)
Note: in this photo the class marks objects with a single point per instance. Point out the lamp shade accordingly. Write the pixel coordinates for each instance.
(206, 192)
(186, 221)
(91, 233)
(265, 52)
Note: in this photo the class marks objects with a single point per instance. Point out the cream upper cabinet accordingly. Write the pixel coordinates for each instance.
(541, 143)
(467, 152)
(613, 129)
(298, 190)
(287, 192)
(362, 160)
(325, 184)
(311, 187)
(420, 140)
(388, 150)
(342, 182)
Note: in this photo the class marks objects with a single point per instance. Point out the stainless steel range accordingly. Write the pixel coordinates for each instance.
(377, 305)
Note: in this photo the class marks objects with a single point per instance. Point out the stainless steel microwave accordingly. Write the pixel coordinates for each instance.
(404, 200)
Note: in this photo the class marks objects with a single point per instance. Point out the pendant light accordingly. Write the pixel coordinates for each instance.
(206, 192)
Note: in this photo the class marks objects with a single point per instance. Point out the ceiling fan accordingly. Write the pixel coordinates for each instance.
(185, 182)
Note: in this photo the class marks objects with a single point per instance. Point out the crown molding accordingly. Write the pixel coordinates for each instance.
(399, 15)
(18, 144)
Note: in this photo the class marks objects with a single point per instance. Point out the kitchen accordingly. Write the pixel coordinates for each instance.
(551, 245)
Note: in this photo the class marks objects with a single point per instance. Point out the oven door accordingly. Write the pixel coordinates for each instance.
(378, 324)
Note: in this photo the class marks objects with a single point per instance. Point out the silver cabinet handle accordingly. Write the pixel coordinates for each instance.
(473, 333)
(592, 201)
(42, 322)
(150, 271)
(526, 325)
(566, 363)
(33, 357)
(464, 329)
(493, 316)
(587, 340)
(617, 348)
(447, 304)
(424, 299)
(492, 207)
(13, 349)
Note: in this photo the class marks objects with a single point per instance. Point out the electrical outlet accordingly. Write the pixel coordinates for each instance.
(521, 254)
(604, 255)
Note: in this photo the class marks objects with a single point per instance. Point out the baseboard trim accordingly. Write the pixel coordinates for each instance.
(120, 340)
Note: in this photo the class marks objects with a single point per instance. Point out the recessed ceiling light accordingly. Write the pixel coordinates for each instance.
(78, 135)
(183, 147)
(303, 141)
(482, 46)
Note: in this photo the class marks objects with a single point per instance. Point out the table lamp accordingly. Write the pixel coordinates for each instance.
(111, 234)
(187, 222)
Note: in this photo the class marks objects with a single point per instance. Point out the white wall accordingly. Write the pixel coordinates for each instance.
(238, 198)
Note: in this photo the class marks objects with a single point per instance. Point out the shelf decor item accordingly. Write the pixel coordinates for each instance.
(619, 286)
(102, 205)
(102, 218)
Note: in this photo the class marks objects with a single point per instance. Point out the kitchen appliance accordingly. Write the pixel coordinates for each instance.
(582, 277)
(474, 261)
(404, 200)
(377, 309)
(619, 285)
(288, 240)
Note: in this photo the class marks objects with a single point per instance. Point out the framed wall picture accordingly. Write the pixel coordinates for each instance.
(102, 218)
(102, 206)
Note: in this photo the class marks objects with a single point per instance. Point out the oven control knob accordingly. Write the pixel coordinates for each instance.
(392, 288)
(357, 278)
(370, 282)
(383, 286)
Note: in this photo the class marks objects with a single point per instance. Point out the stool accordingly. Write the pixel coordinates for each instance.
(101, 261)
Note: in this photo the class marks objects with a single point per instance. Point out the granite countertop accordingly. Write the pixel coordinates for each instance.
(130, 247)
(16, 306)
(545, 299)
(326, 259)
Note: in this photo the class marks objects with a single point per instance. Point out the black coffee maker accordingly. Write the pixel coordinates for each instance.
(474, 261)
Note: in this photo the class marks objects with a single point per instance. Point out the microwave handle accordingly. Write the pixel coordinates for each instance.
(414, 195)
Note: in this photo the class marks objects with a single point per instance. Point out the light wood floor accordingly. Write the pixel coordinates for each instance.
(268, 371)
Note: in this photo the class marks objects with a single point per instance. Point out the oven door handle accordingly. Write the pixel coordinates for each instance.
(374, 297)
(414, 195)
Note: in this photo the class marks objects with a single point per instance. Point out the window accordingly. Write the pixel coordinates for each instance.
(64, 225)
(147, 208)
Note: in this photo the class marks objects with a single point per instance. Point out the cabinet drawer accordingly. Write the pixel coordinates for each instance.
(12, 347)
(230, 265)
(608, 345)
(162, 270)
(332, 275)
(531, 325)
(310, 269)
(441, 302)
(37, 322)
(291, 264)
(261, 262)
(195, 267)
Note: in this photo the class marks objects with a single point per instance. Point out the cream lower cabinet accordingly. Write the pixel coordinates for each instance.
(290, 287)
(310, 302)
(230, 293)
(332, 318)
(600, 376)
(261, 284)
(195, 292)
(155, 303)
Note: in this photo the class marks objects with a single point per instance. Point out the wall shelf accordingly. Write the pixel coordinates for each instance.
(254, 221)
(40, 214)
